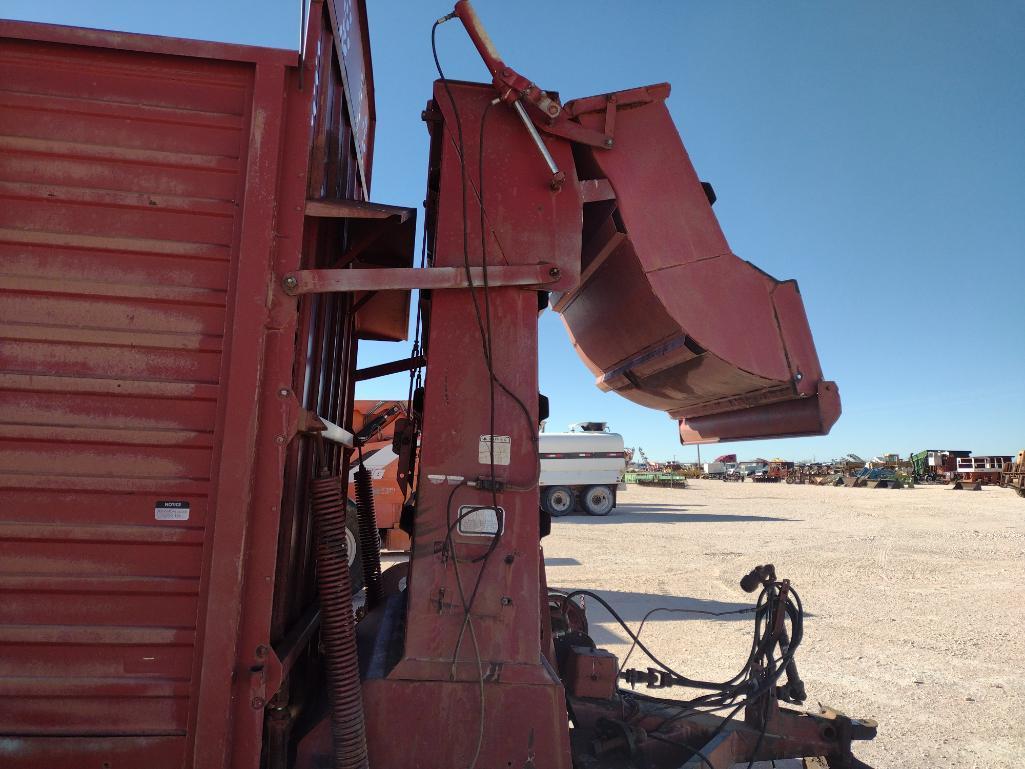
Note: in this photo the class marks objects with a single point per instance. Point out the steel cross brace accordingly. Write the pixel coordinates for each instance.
(408, 278)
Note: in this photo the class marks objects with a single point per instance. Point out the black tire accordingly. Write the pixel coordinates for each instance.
(558, 501)
(352, 546)
(598, 500)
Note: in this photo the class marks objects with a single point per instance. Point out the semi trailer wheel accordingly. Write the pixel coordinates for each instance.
(352, 547)
(598, 500)
(557, 501)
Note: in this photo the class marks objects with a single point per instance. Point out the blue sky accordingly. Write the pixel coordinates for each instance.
(874, 151)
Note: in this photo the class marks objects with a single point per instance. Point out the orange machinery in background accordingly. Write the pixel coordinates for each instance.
(377, 423)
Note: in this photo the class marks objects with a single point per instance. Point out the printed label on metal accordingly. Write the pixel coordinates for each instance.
(477, 521)
(171, 510)
(503, 449)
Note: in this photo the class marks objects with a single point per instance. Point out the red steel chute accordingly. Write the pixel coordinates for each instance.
(666, 315)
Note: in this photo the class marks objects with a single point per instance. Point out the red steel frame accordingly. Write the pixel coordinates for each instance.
(526, 223)
(306, 132)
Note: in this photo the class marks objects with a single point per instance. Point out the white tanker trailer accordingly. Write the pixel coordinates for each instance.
(581, 470)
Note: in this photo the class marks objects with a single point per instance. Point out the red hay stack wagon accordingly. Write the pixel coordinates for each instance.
(189, 261)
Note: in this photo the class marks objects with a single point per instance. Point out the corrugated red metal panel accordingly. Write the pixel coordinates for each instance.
(152, 193)
(121, 179)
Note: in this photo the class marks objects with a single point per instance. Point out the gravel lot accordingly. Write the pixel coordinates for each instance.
(915, 600)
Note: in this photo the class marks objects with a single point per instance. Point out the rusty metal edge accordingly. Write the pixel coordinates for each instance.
(133, 41)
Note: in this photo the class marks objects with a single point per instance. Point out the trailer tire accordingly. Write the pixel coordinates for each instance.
(558, 501)
(598, 500)
(352, 552)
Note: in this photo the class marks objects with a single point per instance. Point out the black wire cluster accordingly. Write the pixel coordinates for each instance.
(756, 681)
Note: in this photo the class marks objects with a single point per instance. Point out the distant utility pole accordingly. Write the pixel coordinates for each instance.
(699, 454)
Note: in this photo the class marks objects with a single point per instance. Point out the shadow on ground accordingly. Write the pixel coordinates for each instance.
(663, 514)
(642, 506)
(561, 562)
(633, 606)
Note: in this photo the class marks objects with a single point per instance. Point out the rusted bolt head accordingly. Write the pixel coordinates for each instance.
(283, 392)
(290, 281)
(554, 272)
(608, 143)
(257, 703)
(261, 651)
(553, 110)
(280, 440)
(510, 558)
(506, 600)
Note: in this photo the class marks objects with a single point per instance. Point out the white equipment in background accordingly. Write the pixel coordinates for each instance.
(581, 470)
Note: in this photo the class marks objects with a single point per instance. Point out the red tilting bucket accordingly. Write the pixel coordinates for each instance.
(666, 315)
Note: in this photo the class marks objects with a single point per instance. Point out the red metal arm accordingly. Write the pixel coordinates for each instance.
(544, 111)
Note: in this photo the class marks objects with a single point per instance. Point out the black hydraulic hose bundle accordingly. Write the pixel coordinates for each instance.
(337, 625)
(744, 685)
(369, 537)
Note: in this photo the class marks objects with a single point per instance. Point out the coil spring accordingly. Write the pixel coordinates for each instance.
(337, 628)
(369, 538)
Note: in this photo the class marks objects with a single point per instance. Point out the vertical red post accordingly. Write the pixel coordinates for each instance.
(526, 223)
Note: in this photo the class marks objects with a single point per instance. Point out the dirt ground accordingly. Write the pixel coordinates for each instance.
(915, 600)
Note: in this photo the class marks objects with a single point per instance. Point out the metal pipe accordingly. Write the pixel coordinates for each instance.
(384, 369)
(336, 434)
(532, 130)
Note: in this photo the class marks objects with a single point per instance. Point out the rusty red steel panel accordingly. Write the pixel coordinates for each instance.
(526, 223)
(154, 539)
(667, 315)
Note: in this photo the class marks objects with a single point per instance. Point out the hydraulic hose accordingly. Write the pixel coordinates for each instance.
(337, 626)
(369, 538)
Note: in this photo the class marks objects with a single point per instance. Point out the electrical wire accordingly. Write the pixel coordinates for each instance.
(644, 619)
(484, 327)
(483, 324)
(531, 426)
(486, 349)
(415, 373)
(680, 679)
(761, 734)
(763, 643)
(467, 623)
